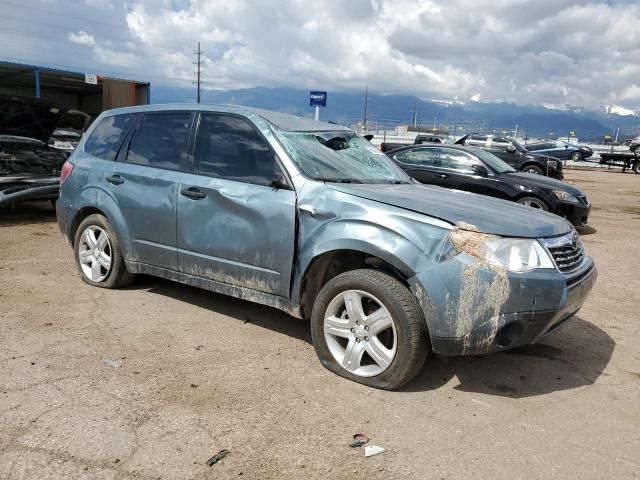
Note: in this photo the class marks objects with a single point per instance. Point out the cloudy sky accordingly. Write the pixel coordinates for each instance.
(527, 52)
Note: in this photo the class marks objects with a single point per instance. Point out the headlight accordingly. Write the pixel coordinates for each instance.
(517, 255)
(513, 254)
(567, 197)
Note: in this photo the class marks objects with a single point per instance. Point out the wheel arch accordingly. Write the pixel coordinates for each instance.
(98, 201)
(330, 263)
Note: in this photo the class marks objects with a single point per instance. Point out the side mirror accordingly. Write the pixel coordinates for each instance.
(480, 170)
(511, 149)
(566, 146)
(279, 182)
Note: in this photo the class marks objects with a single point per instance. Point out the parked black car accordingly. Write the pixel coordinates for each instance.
(29, 168)
(476, 170)
(514, 154)
(561, 149)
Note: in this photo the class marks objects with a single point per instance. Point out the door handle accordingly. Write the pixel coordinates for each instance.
(443, 176)
(115, 179)
(193, 193)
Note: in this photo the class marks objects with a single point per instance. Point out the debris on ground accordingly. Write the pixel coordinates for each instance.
(217, 457)
(373, 450)
(246, 321)
(359, 439)
(114, 363)
(198, 347)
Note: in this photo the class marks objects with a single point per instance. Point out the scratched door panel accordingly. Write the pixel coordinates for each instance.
(239, 233)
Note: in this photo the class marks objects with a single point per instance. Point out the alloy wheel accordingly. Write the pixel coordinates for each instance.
(532, 202)
(360, 333)
(95, 253)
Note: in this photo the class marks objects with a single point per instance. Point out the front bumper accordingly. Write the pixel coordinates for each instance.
(472, 310)
(577, 214)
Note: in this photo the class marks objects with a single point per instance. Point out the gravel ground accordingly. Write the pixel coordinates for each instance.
(199, 372)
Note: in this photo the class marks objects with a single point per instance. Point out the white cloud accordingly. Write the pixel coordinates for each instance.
(82, 38)
(581, 52)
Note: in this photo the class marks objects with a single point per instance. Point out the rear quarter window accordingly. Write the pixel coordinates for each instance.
(105, 140)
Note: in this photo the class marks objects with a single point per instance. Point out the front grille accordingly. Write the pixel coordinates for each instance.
(567, 251)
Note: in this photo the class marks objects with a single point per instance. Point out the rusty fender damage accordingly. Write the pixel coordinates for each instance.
(475, 307)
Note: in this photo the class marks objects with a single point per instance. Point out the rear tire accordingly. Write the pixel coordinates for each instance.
(534, 169)
(382, 300)
(98, 255)
(576, 156)
(636, 166)
(534, 202)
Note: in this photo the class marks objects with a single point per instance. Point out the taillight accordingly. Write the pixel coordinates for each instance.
(67, 168)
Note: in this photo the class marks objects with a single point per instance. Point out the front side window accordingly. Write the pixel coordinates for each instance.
(457, 160)
(231, 148)
(160, 140)
(106, 138)
(340, 156)
(423, 157)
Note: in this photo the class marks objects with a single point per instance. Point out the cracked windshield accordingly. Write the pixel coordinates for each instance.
(340, 157)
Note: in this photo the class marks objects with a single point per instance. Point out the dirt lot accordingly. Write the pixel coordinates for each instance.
(201, 372)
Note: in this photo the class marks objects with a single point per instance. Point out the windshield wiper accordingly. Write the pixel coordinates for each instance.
(339, 180)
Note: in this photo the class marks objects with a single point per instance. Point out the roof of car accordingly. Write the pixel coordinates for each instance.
(280, 120)
(435, 145)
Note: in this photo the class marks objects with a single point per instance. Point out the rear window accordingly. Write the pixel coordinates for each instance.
(160, 140)
(106, 138)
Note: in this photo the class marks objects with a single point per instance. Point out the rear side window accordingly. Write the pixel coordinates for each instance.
(160, 140)
(106, 138)
(229, 147)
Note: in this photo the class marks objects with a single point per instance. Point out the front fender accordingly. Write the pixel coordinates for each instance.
(330, 220)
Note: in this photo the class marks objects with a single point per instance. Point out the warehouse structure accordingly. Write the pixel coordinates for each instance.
(87, 92)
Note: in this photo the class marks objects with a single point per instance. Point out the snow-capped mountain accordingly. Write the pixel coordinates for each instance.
(563, 107)
(618, 110)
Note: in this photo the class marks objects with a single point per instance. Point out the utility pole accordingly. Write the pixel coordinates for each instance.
(366, 102)
(198, 64)
(414, 115)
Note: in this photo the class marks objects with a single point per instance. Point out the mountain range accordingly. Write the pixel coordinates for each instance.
(390, 110)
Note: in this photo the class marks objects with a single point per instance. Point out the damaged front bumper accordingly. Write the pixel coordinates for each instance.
(472, 309)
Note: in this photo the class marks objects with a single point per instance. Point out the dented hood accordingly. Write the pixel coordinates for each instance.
(489, 215)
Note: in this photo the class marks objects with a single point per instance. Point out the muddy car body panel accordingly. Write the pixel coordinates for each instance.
(272, 244)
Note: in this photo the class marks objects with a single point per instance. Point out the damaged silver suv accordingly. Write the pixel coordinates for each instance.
(310, 218)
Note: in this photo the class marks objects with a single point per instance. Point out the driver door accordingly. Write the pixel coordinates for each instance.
(233, 226)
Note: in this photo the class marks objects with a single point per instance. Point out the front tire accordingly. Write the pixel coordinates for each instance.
(98, 255)
(534, 169)
(368, 327)
(534, 202)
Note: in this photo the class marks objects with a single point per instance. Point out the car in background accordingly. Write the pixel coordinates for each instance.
(634, 145)
(29, 167)
(309, 218)
(478, 171)
(69, 130)
(420, 139)
(514, 154)
(561, 149)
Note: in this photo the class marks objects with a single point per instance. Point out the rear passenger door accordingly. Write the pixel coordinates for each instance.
(233, 226)
(144, 181)
(419, 163)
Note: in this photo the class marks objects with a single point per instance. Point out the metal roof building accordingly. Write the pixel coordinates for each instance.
(79, 91)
